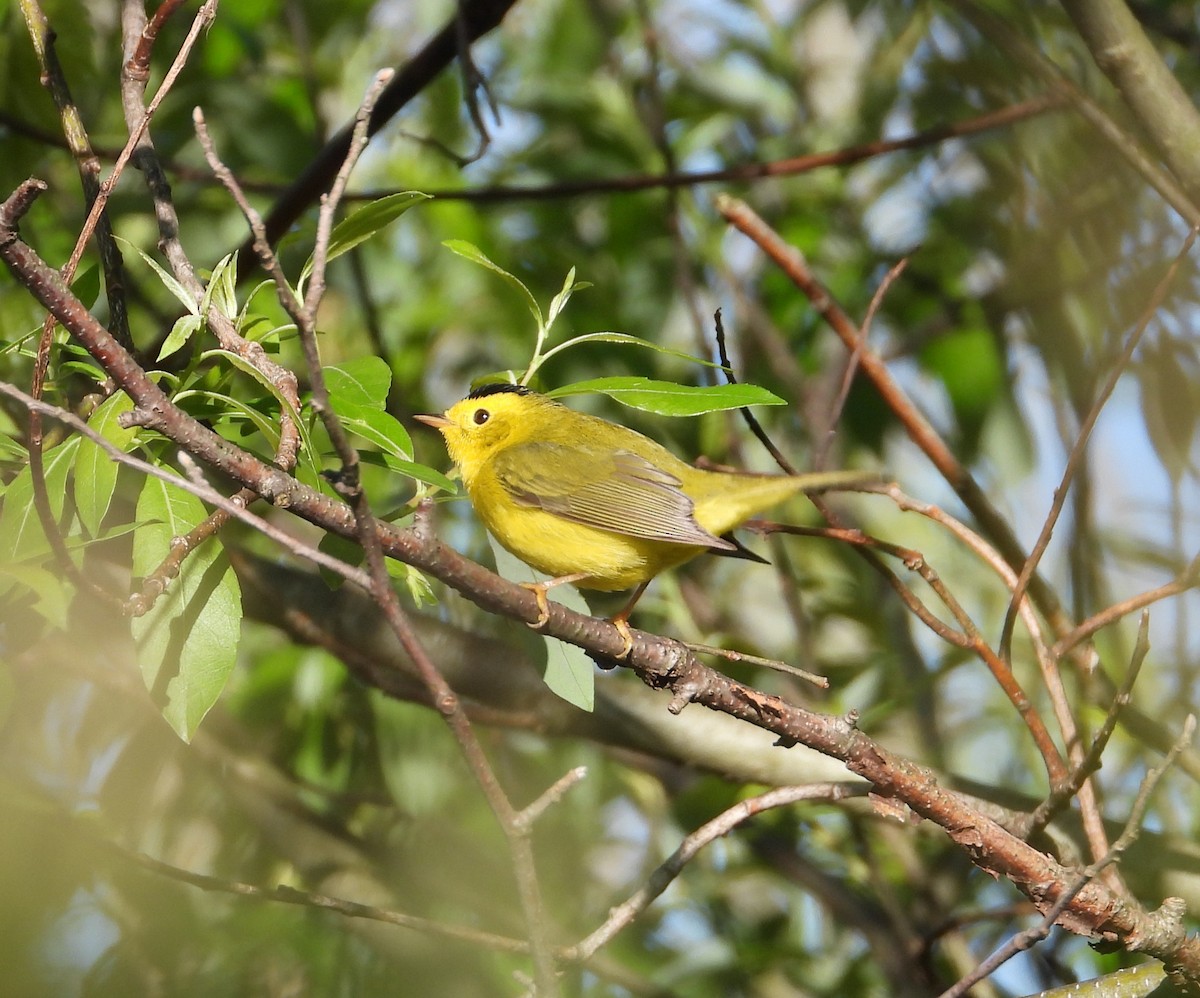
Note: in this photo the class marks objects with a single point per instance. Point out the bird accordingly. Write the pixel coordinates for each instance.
(594, 503)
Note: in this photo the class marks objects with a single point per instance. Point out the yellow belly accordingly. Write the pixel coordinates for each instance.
(558, 547)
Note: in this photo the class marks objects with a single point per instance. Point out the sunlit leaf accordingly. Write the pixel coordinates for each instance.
(187, 643)
(363, 381)
(668, 399)
(221, 288)
(234, 409)
(381, 428)
(95, 469)
(21, 534)
(364, 222)
(184, 329)
(569, 672)
(475, 255)
(559, 301)
(169, 282)
(285, 404)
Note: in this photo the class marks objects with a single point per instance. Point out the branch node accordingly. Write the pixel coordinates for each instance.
(14, 209)
(686, 693)
(447, 703)
(1163, 930)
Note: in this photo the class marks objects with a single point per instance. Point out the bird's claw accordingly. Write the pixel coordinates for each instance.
(622, 627)
(539, 590)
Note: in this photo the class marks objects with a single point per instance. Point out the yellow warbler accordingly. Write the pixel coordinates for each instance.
(595, 503)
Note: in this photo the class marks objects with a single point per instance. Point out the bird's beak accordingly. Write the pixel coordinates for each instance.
(437, 422)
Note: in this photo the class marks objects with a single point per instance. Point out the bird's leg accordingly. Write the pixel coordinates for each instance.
(621, 620)
(539, 589)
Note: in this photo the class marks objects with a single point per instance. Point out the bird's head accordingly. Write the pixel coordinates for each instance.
(488, 420)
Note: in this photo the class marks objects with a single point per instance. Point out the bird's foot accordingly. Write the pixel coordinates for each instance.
(622, 626)
(539, 590)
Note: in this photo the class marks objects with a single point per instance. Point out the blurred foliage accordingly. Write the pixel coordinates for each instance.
(1032, 251)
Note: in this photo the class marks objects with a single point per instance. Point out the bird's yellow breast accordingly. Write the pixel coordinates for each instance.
(557, 546)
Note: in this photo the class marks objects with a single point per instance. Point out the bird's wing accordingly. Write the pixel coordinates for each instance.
(612, 490)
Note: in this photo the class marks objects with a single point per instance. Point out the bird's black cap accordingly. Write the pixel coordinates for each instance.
(499, 388)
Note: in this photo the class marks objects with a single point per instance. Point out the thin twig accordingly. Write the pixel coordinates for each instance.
(1084, 435)
(1045, 661)
(311, 899)
(475, 17)
(839, 403)
(768, 663)
(204, 17)
(139, 61)
(554, 793)
(747, 415)
(80, 145)
(1189, 579)
(744, 172)
(1133, 826)
(919, 429)
(970, 637)
(658, 881)
(474, 83)
(88, 166)
(1059, 796)
(913, 560)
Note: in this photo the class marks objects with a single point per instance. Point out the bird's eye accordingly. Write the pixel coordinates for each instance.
(481, 416)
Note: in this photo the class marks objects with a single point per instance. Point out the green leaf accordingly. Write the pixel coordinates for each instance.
(169, 282)
(380, 428)
(87, 369)
(187, 643)
(221, 289)
(21, 534)
(184, 329)
(971, 367)
(361, 382)
(668, 399)
(364, 222)
(246, 367)
(95, 469)
(15, 344)
(12, 451)
(421, 472)
(86, 285)
(241, 319)
(53, 595)
(475, 255)
(235, 409)
(569, 673)
(343, 549)
(415, 581)
(559, 301)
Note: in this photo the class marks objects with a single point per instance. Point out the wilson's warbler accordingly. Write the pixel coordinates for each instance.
(594, 503)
